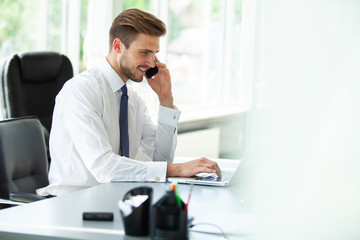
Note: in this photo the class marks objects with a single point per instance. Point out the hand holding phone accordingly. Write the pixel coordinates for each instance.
(151, 72)
(160, 84)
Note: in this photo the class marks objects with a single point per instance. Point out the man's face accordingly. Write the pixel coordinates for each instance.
(139, 57)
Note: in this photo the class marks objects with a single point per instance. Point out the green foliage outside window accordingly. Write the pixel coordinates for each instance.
(140, 4)
(10, 22)
(22, 21)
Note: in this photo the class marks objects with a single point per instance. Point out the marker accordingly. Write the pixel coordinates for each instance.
(168, 186)
(177, 197)
(172, 187)
(187, 204)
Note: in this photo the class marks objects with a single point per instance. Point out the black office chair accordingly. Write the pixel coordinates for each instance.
(30, 82)
(23, 159)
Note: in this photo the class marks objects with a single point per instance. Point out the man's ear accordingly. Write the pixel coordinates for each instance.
(118, 45)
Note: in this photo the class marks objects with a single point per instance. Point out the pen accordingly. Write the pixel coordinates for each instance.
(168, 186)
(172, 187)
(187, 204)
(177, 197)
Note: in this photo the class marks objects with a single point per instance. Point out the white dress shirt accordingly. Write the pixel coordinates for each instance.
(85, 134)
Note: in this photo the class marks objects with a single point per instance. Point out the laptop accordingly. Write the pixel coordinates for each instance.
(228, 168)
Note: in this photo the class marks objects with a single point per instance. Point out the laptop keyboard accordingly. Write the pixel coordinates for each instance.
(225, 175)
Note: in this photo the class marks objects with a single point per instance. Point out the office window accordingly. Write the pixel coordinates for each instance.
(202, 52)
(21, 29)
(40, 25)
(201, 48)
(141, 4)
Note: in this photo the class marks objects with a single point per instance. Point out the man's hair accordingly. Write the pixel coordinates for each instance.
(129, 23)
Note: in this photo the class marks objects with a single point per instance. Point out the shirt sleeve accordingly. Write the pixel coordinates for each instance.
(164, 144)
(168, 116)
(156, 171)
(159, 141)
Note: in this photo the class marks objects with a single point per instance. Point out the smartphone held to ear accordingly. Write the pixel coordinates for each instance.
(151, 72)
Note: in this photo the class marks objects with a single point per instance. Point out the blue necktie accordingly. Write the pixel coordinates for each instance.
(124, 134)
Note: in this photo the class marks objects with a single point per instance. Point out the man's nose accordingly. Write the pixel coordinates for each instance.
(151, 60)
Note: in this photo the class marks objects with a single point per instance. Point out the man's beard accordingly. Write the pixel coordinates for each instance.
(127, 72)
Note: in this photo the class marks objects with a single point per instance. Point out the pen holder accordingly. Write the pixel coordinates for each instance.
(137, 223)
(169, 218)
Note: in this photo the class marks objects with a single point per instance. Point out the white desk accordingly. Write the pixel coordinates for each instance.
(61, 217)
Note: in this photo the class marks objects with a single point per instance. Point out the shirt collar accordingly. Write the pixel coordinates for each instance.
(111, 76)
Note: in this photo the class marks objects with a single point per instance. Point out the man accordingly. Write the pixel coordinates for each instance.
(88, 144)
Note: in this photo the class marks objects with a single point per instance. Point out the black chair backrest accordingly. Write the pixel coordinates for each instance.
(30, 82)
(23, 159)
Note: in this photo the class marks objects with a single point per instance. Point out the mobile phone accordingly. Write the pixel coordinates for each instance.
(151, 72)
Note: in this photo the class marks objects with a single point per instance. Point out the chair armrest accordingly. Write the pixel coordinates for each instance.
(25, 197)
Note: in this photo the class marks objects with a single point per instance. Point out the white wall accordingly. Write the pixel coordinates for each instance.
(304, 133)
(202, 143)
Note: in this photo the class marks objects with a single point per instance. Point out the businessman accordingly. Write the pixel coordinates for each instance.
(100, 122)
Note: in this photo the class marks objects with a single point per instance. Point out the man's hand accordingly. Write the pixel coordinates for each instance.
(189, 169)
(161, 84)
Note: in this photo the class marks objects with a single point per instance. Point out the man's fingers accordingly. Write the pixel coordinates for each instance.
(210, 166)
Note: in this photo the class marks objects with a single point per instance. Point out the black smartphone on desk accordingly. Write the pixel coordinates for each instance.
(151, 72)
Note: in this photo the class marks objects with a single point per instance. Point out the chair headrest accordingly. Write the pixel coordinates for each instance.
(40, 66)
